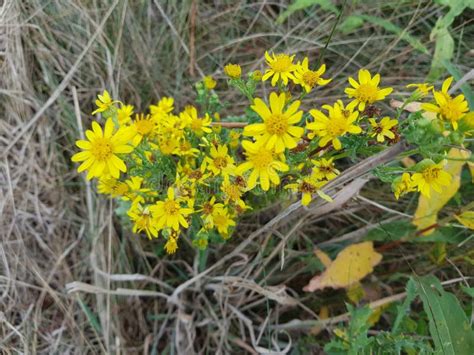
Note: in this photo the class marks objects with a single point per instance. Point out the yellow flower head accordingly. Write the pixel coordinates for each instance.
(209, 82)
(383, 128)
(403, 185)
(164, 107)
(143, 220)
(431, 176)
(103, 102)
(308, 186)
(144, 126)
(233, 191)
(324, 169)
(421, 89)
(222, 221)
(124, 114)
(169, 213)
(207, 210)
(281, 66)
(278, 130)
(448, 108)
(220, 162)
(99, 155)
(367, 90)
(171, 244)
(264, 166)
(339, 121)
(233, 71)
(135, 191)
(308, 78)
(198, 125)
(111, 186)
(234, 139)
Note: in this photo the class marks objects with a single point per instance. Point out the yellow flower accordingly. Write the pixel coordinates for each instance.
(143, 220)
(99, 154)
(222, 221)
(103, 102)
(169, 213)
(198, 125)
(432, 176)
(185, 148)
(324, 169)
(340, 120)
(111, 186)
(403, 185)
(234, 139)
(447, 108)
(233, 191)
(207, 210)
(168, 145)
(209, 82)
(124, 114)
(162, 108)
(383, 128)
(366, 91)
(308, 186)
(281, 67)
(172, 243)
(233, 71)
(144, 126)
(136, 191)
(278, 130)
(195, 176)
(422, 89)
(263, 164)
(308, 78)
(220, 162)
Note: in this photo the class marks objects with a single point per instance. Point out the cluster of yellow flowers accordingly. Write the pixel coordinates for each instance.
(188, 170)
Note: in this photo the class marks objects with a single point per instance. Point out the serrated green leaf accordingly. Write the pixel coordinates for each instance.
(449, 326)
(303, 4)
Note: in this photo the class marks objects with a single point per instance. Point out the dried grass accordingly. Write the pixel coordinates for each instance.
(72, 280)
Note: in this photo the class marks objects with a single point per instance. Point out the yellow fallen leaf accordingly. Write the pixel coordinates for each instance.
(350, 266)
(426, 214)
(466, 219)
(355, 292)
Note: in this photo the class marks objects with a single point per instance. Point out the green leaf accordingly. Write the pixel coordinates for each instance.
(448, 324)
(468, 290)
(303, 4)
(444, 51)
(91, 317)
(404, 308)
(387, 232)
(351, 23)
(402, 33)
